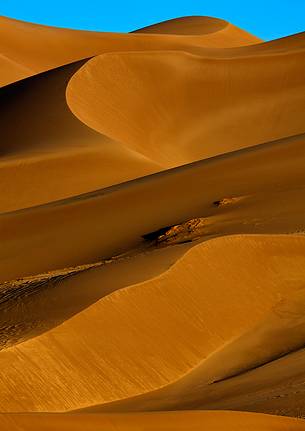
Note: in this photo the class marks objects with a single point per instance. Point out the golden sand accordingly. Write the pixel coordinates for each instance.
(152, 220)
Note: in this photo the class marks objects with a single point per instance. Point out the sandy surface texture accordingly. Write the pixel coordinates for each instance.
(152, 228)
(169, 421)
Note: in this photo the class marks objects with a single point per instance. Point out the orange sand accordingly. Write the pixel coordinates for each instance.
(152, 220)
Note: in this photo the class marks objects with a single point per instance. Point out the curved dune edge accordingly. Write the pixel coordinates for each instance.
(193, 421)
(235, 376)
(186, 26)
(77, 230)
(29, 170)
(279, 334)
(24, 51)
(31, 181)
(117, 273)
(199, 102)
(58, 156)
(116, 325)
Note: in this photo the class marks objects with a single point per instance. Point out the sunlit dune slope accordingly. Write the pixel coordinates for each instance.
(261, 370)
(145, 324)
(220, 32)
(176, 107)
(188, 26)
(159, 340)
(90, 227)
(27, 49)
(193, 421)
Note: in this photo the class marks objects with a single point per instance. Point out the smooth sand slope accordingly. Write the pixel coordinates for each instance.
(161, 342)
(176, 107)
(193, 421)
(262, 368)
(152, 219)
(268, 179)
(47, 154)
(27, 49)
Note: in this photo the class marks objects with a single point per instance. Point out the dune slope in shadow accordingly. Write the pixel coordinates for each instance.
(47, 154)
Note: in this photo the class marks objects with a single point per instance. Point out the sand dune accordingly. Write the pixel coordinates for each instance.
(100, 334)
(262, 367)
(152, 220)
(188, 26)
(211, 91)
(28, 49)
(57, 156)
(107, 222)
(42, 173)
(194, 421)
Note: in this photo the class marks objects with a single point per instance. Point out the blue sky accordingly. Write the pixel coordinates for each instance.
(268, 19)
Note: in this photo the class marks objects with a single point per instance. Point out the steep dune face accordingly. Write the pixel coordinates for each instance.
(198, 105)
(47, 154)
(41, 97)
(152, 228)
